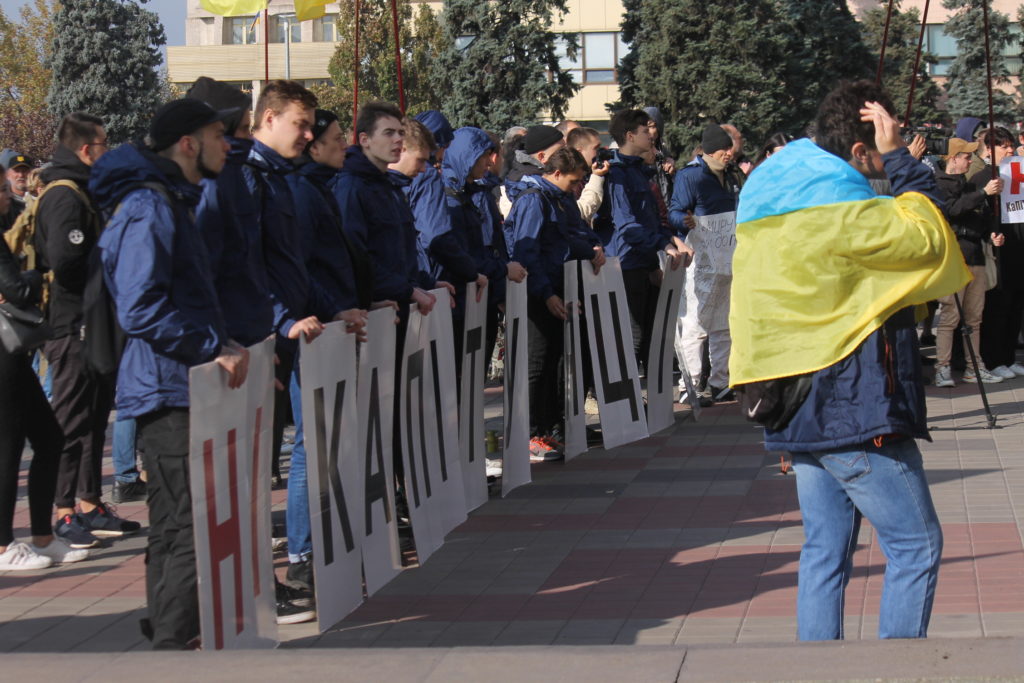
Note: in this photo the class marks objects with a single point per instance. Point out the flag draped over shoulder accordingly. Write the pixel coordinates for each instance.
(234, 8)
(821, 262)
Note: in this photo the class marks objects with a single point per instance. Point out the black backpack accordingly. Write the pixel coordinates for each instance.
(103, 338)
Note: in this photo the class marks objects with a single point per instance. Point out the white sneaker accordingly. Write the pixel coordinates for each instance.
(1004, 372)
(60, 552)
(943, 377)
(19, 557)
(1017, 369)
(984, 375)
(494, 467)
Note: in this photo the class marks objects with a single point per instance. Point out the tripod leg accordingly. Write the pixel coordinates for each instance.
(969, 345)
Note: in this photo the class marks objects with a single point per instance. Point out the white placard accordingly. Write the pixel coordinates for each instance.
(430, 432)
(471, 399)
(616, 377)
(376, 408)
(660, 388)
(709, 278)
(1011, 170)
(575, 392)
(229, 463)
(327, 369)
(516, 454)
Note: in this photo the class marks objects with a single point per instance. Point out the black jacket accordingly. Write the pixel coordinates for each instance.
(18, 288)
(1011, 255)
(965, 209)
(66, 232)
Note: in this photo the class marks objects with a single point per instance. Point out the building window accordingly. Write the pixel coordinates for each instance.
(282, 23)
(942, 46)
(596, 59)
(239, 30)
(325, 29)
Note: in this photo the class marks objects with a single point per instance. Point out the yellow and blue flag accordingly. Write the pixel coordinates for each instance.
(233, 8)
(821, 262)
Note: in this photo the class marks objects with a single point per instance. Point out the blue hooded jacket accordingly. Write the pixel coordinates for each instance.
(878, 389)
(697, 189)
(228, 218)
(631, 227)
(296, 294)
(323, 243)
(378, 221)
(466, 219)
(438, 125)
(482, 194)
(543, 231)
(156, 270)
(966, 126)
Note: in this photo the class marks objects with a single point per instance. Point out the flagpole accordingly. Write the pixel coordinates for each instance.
(266, 44)
(398, 55)
(355, 83)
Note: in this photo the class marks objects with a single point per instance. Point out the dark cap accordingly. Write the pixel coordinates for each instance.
(9, 159)
(322, 122)
(715, 139)
(220, 95)
(182, 117)
(539, 138)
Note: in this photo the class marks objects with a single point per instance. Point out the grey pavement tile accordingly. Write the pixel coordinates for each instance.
(468, 633)
(530, 632)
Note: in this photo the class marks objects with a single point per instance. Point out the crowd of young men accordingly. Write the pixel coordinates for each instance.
(229, 225)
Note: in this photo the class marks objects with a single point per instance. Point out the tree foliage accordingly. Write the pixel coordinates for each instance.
(501, 64)
(825, 47)
(25, 121)
(900, 53)
(421, 42)
(104, 60)
(702, 61)
(968, 81)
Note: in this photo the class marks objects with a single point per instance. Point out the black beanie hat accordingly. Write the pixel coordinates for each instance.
(539, 138)
(182, 117)
(321, 122)
(220, 95)
(715, 139)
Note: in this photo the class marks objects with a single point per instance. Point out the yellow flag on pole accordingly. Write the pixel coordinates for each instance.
(309, 9)
(234, 8)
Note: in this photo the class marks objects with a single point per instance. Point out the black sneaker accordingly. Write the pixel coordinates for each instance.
(300, 575)
(288, 612)
(128, 492)
(104, 522)
(722, 395)
(296, 596)
(73, 531)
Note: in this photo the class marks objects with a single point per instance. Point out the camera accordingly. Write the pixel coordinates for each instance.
(604, 155)
(936, 140)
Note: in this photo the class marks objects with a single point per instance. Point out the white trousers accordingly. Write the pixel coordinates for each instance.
(692, 329)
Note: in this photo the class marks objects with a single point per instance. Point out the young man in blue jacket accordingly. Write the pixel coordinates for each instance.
(544, 231)
(155, 267)
(282, 130)
(630, 227)
(850, 425)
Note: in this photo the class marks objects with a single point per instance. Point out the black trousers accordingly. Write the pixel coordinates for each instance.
(282, 401)
(544, 368)
(25, 414)
(1000, 325)
(81, 402)
(642, 298)
(171, 591)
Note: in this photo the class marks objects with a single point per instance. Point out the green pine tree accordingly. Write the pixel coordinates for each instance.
(968, 83)
(825, 48)
(501, 66)
(698, 61)
(104, 61)
(421, 41)
(900, 52)
(25, 121)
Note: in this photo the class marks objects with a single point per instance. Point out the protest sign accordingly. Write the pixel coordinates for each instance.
(616, 376)
(229, 463)
(575, 392)
(660, 387)
(516, 455)
(327, 369)
(709, 278)
(471, 399)
(1011, 170)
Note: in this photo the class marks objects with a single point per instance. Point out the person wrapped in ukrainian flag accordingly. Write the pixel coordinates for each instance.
(825, 349)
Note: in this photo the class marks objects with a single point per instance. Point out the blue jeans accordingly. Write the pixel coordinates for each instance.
(123, 452)
(47, 379)
(300, 539)
(887, 485)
